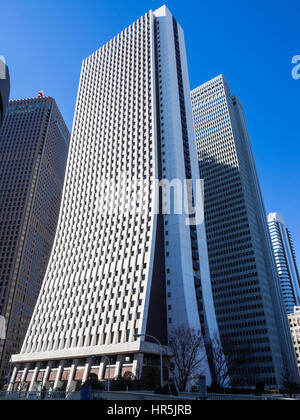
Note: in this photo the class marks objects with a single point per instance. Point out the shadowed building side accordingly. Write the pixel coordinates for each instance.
(33, 153)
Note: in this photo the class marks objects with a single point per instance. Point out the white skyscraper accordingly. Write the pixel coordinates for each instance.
(285, 261)
(119, 267)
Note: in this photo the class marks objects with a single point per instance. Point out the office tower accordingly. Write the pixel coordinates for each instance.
(294, 320)
(246, 288)
(121, 267)
(285, 261)
(4, 88)
(33, 152)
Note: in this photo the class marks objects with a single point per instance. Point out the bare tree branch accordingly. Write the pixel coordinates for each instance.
(188, 354)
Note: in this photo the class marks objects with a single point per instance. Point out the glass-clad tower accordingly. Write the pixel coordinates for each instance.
(285, 261)
(246, 287)
(120, 265)
(33, 154)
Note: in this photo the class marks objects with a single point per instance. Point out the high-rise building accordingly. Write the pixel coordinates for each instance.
(4, 88)
(33, 153)
(246, 287)
(285, 261)
(122, 267)
(294, 320)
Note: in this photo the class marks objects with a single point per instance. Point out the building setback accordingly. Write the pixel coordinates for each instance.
(4, 88)
(120, 268)
(33, 152)
(246, 288)
(285, 261)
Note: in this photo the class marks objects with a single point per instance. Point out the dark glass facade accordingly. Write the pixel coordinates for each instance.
(34, 142)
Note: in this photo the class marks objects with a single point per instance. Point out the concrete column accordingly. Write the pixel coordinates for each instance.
(119, 363)
(102, 369)
(87, 369)
(34, 377)
(58, 374)
(27, 366)
(47, 372)
(71, 375)
(13, 378)
(137, 365)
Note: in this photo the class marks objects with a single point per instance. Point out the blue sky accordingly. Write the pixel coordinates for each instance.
(251, 42)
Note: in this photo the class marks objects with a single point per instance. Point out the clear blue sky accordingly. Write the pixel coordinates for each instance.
(251, 42)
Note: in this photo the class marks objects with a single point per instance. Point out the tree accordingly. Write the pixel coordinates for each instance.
(219, 362)
(236, 356)
(150, 376)
(260, 387)
(289, 386)
(126, 382)
(93, 382)
(188, 354)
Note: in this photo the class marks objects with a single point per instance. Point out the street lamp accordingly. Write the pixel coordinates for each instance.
(108, 381)
(161, 354)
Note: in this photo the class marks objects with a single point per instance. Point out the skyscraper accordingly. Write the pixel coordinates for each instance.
(285, 261)
(120, 267)
(4, 88)
(246, 288)
(33, 153)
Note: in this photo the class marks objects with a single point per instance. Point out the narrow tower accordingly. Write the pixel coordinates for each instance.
(285, 261)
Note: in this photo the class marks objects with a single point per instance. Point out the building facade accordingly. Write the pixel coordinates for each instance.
(4, 88)
(120, 265)
(285, 261)
(245, 283)
(294, 320)
(33, 153)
